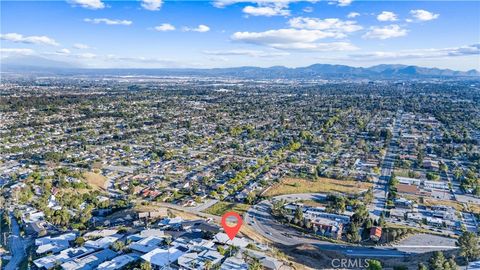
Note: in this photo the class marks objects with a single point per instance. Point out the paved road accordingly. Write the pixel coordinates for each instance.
(204, 205)
(192, 210)
(17, 246)
(380, 185)
(260, 219)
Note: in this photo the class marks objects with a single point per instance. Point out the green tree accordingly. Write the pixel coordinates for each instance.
(450, 264)
(208, 264)
(255, 265)
(352, 234)
(145, 266)
(469, 247)
(298, 214)
(118, 246)
(374, 265)
(250, 197)
(6, 218)
(79, 241)
(422, 266)
(437, 261)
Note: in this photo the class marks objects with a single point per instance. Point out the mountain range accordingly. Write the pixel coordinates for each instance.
(40, 65)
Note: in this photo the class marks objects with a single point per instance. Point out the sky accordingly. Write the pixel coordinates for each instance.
(231, 33)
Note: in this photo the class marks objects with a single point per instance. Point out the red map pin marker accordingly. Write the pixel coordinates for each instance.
(231, 231)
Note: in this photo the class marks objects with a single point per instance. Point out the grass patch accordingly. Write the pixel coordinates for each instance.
(414, 230)
(320, 185)
(221, 208)
(95, 179)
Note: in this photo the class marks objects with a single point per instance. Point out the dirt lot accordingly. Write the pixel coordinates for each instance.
(95, 179)
(314, 258)
(321, 185)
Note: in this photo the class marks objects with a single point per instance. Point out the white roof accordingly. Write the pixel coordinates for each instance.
(152, 232)
(91, 261)
(267, 261)
(172, 221)
(474, 265)
(200, 244)
(118, 262)
(50, 239)
(197, 260)
(53, 247)
(147, 244)
(104, 242)
(100, 233)
(408, 180)
(233, 263)
(35, 217)
(224, 239)
(162, 257)
(64, 256)
(50, 261)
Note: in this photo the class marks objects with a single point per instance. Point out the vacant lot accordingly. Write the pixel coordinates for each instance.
(475, 208)
(320, 185)
(95, 179)
(431, 202)
(221, 208)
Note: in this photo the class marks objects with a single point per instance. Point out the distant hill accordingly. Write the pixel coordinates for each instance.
(317, 71)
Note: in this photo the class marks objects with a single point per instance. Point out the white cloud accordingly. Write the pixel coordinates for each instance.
(308, 9)
(387, 16)
(18, 38)
(353, 15)
(282, 36)
(81, 46)
(295, 39)
(152, 5)
(344, 3)
(265, 7)
(268, 11)
(330, 24)
(473, 49)
(164, 27)
(389, 31)
(318, 47)
(251, 53)
(202, 28)
(7, 52)
(423, 15)
(64, 51)
(224, 3)
(90, 4)
(135, 60)
(108, 21)
(86, 55)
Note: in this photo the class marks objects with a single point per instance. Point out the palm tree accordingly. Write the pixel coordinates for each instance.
(255, 265)
(208, 264)
(168, 241)
(233, 249)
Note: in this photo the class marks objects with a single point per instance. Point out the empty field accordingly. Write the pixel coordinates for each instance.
(320, 185)
(221, 208)
(95, 179)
